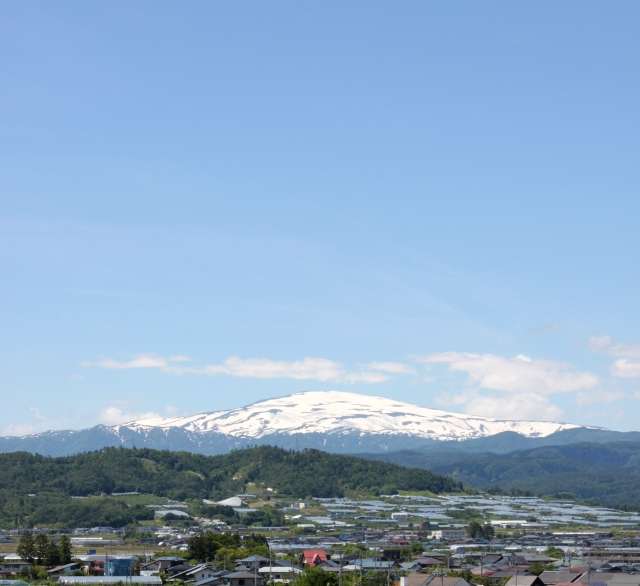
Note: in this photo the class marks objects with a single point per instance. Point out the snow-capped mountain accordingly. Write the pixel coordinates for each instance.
(329, 420)
(335, 412)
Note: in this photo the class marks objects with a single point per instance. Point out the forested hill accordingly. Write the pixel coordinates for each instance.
(185, 475)
(606, 474)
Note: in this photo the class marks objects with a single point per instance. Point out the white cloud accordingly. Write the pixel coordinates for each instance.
(519, 374)
(38, 422)
(114, 414)
(390, 367)
(600, 343)
(514, 407)
(364, 377)
(609, 346)
(309, 368)
(525, 406)
(140, 361)
(627, 363)
(623, 368)
(15, 429)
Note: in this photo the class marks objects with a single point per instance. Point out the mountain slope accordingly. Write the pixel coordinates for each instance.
(53, 481)
(339, 412)
(329, 420)
(606, 474)
(184, 475)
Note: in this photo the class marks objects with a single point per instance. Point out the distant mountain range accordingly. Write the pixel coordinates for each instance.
(327, 420)
(600, 473)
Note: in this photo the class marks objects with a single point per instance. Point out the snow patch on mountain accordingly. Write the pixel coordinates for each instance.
(336, 412)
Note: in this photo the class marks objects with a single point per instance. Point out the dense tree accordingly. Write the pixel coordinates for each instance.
(53, 554)
(208, 546)
(314, 576)
(26, 547)
(478, 531)
(184, 476)
(41, 547)
(65, 550)
(50, 508)
(589, 472)
(489, 532)
(537, 568)
(203, 547)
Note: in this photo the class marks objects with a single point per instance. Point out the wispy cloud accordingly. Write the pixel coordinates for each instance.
(140, 361)
(113, 415)
(518, 374)
(391, 367)
(37, 422)
(121, 412)
(503, 406)
(517, 387)
(17, 429)
(627, 356)
(623, 368)
(309, 368)
(610, 346)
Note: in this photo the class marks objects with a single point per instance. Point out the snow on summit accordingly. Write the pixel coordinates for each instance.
(336, 412)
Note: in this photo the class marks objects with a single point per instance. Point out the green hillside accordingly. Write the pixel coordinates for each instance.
(604, 474)
(180, 475)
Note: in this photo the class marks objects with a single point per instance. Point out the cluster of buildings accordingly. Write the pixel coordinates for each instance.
(403, 540)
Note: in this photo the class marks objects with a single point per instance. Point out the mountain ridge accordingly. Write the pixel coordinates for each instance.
(342, 412)
(333, 421)
(606, 473)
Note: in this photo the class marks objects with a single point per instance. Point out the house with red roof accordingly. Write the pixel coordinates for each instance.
(313, 557)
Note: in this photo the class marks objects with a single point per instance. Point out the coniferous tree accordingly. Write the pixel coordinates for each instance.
(65, 550)
(26, 547)
(41, 547)
(53, 554)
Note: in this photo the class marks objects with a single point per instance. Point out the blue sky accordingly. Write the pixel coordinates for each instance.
(211, 203)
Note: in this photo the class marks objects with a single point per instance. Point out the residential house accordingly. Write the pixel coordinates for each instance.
(369, 565)
(215, 580)
(244, 578)
(412, 566)
(109, 580)
(160, 564)
(14, 567)
(313, 557)
(64, 570)
(254, 562)
(524, 581)
(196, 573)
(427, 562)
(448, 533)
(282, 574)
(417, 579)
(554, 577)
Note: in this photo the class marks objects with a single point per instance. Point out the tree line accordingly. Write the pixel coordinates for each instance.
(43, 550)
